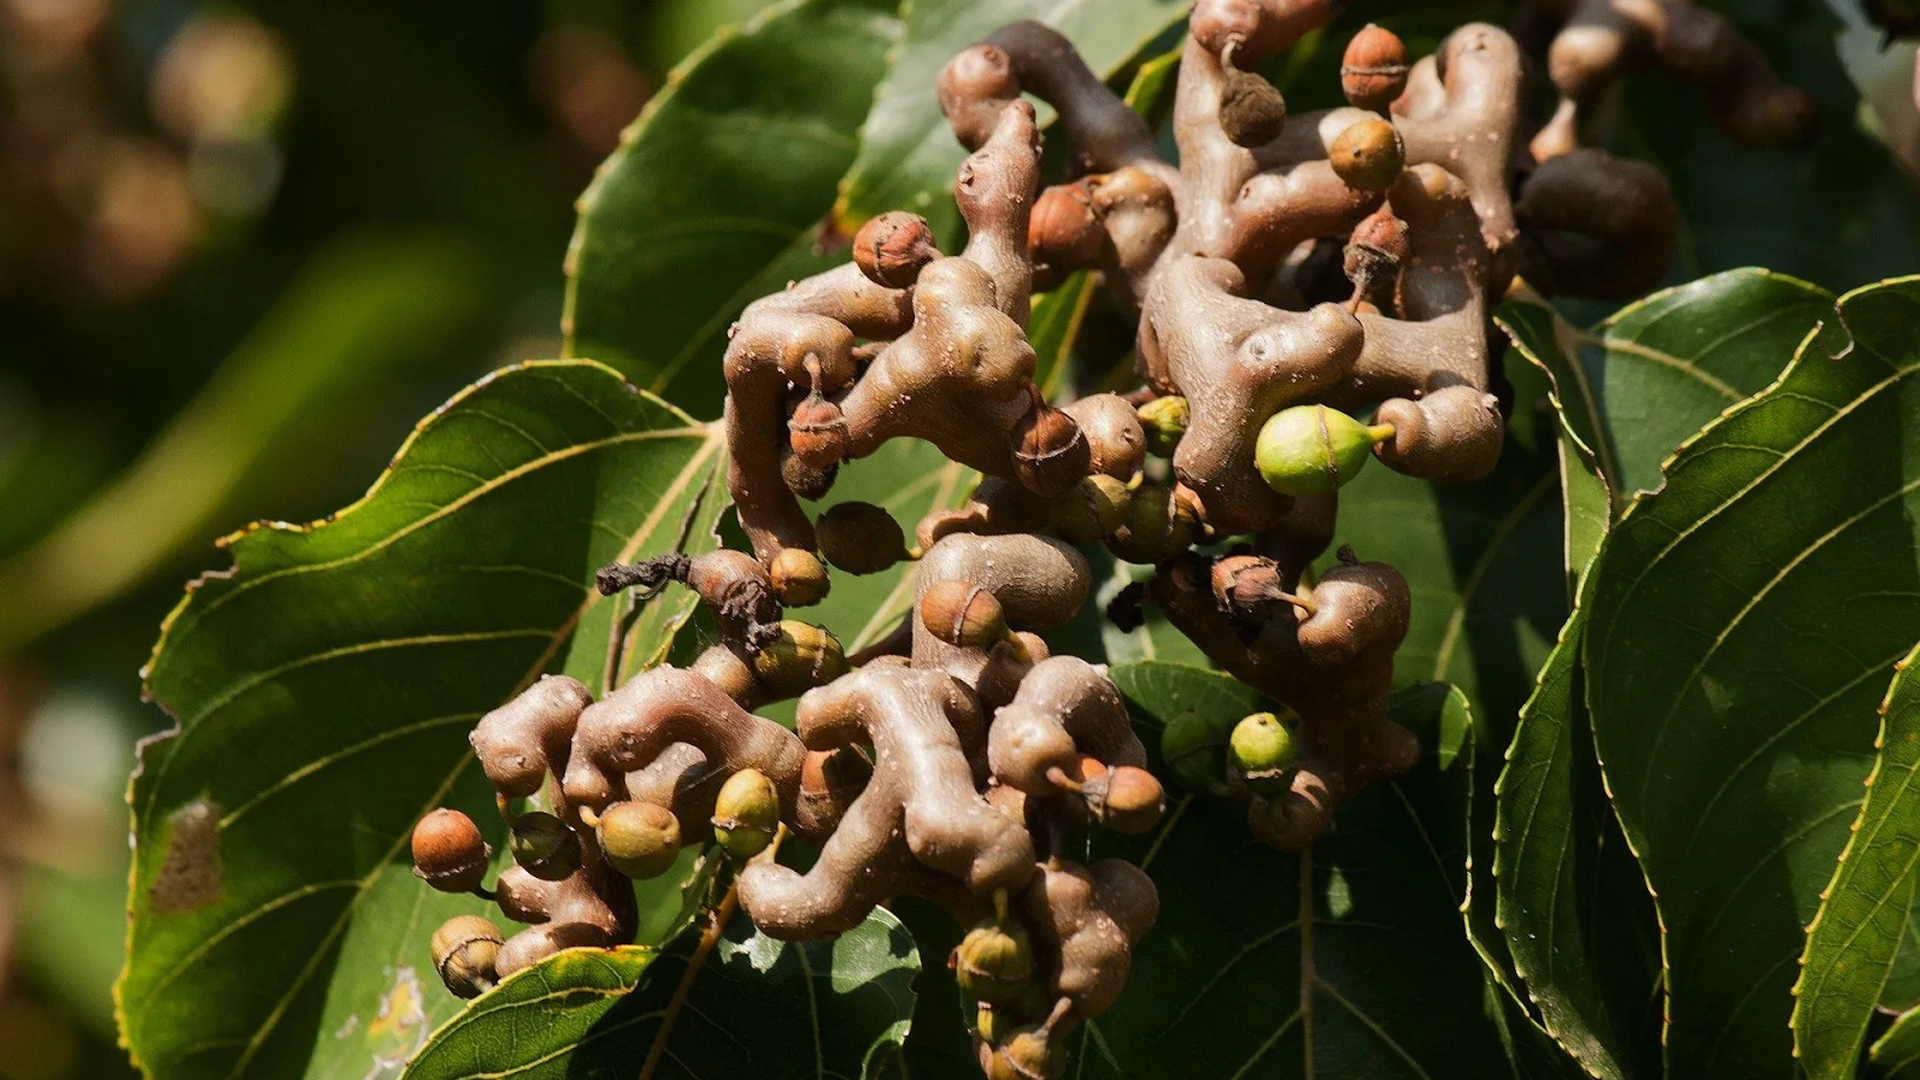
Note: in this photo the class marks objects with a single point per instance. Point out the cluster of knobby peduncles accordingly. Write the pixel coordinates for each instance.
(1289, 274)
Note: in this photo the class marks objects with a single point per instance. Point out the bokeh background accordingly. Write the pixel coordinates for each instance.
(243, 248)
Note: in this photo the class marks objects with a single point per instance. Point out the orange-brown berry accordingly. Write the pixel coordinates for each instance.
(1127, 800)
(1374, 70)
(1065, 230)
(817, 431)
(1375, 251)
(1050, 454)
(962, 613)
(448, 851)
(892, 248)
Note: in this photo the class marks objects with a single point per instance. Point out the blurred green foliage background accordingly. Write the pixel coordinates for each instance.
(243, 248)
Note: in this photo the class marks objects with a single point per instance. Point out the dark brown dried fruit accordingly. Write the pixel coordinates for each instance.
(860, 538)
(1252, 112)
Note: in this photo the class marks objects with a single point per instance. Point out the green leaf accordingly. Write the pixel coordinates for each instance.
(712, 199)
(1865, 910)
(1642, 382)
(1896, 1056)
(1554, 834)
(754, 1007)
(908, 154)
(1838, 212)
(1572, 901)
(1368, 920)
(1742, 619)
(323, 690)
(1570, 898)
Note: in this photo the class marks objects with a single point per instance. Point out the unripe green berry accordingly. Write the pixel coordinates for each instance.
(639, 839)
(799, 577)
(1195, 751)
(1092, 510)
(464, 949)
(448, 851)
(802, 657)
(1165, 421)
(545, 846)
(1159, 526)
(1313, 450)
(746, 813)
(993, 963)
(860, 538)
(1368, 155)
(1263, 749)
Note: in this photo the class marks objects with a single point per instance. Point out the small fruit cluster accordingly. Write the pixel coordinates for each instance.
(553, 860)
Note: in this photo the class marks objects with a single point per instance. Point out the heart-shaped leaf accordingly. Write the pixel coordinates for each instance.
(1570, 896)
(736, 1003)
(1865, 913)
(713, 196)
(323, 690)
(1643, 381)
(908, 155)
(1743, 619)
(1345, 960)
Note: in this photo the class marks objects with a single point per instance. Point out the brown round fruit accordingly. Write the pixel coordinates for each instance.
(1373, 73)
(963, 614)
(448, 851)
(893, 248)
(464, 949)
(1368, 156)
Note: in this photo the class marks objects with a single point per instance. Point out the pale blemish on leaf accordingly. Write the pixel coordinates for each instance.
(190, 876)
(399, 1027)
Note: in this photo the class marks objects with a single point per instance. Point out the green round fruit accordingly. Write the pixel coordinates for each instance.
(1312, 450)
(545, 846)
(1195, 751)
(639, 839)
(746, 813)
(1262, 744)
(1165, 421)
